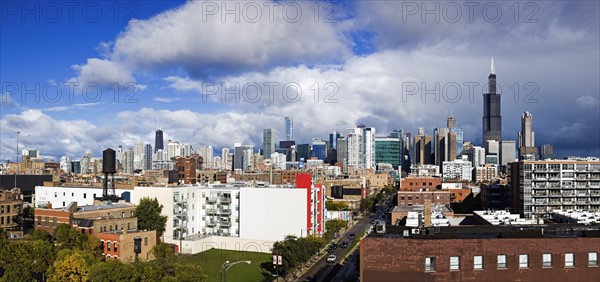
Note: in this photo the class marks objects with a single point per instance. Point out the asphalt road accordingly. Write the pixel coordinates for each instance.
(328, 271)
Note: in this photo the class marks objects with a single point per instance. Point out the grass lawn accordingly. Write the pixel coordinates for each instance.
(213, 259)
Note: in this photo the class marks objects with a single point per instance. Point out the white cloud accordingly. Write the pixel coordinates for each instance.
(587, 102)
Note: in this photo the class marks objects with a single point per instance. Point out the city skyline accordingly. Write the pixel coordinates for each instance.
(369, 58)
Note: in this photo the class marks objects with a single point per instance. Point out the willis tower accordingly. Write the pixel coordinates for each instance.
(492, 117)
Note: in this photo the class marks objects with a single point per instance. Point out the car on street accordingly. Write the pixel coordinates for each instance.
(344, 244)
(352, 236)
(331, 258)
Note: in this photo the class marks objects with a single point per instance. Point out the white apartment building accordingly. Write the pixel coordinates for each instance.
(539, 187)
(457, 170)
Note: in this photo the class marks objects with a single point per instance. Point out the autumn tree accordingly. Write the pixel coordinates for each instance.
(149, 215)
(71, 265)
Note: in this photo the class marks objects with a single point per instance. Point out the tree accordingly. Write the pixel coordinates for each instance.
(111, 270)
(68, 237)
(187, 273)
(44, 255)
(148, 213)
(71, 266)
(92, 245)
(40, 234)
(164, 258)
(16, 273)
(336, 206)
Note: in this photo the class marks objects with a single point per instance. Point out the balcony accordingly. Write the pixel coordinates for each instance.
(226, 223)
(211, 200)
(554, 195)
(568, 194)
(211, 211)
(541, 202)
(225, 211)
(211, 223)
(554, 203)
(225, 200)
(540, 194)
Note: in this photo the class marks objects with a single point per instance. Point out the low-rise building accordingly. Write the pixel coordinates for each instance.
(482, 253)
(121, 244)
(11, 205)
(576, 216)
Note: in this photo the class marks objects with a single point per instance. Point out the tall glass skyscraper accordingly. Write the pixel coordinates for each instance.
(268, 143)
(289, 128)
(492, 116)
(158, 141)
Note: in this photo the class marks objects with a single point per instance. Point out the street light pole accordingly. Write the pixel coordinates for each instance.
(17, 168)
(226, 265)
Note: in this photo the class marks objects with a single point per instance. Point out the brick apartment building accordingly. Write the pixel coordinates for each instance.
(482, 253)
(10, 206)
(420, 183)
(91, 219)
(120, 244)
(410, 198)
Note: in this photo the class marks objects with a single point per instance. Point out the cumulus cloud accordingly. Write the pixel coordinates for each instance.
(101, 73)
(587, 102)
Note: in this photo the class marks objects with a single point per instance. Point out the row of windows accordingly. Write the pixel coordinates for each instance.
(2, 220)
(501, 261)
(107, 246)
(46, 221)
(110, 227)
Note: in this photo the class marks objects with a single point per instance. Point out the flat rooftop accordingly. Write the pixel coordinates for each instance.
(104, 207)
(492, 232)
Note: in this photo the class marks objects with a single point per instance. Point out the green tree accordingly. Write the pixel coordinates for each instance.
(111, 270)
(44, 256)
(164, 259)
(148, 213)
(71, 265)
(336, 206)
(92, 245)
(146, 271)
(187, 273)
(40, 234)
(68, 237)
(16, 273)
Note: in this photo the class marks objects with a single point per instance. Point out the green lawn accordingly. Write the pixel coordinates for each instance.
(213, 259)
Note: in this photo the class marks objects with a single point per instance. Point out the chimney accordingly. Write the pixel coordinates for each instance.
(427, 212)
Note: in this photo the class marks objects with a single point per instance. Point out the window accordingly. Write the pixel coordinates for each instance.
(547, 260)
(39, 220)
(115, 247)
(523, 261)
(501, 261)
(454, 263)
(54, 221)
(108, 246)
(592, 259)
(84, 195)
(430, 264)
(46, 221)
(478, 262)
(145, 241)
(569, 259)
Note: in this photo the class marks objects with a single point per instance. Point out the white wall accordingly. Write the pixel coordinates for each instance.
(60, 197)
(272, 213)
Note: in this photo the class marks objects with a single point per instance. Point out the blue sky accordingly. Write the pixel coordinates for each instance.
(185, 62)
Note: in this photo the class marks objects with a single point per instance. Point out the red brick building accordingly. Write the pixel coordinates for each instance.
(420, 183)
(409, 198)
(483, 253)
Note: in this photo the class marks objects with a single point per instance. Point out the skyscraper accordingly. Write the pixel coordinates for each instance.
(527, 149)
(268, 143)
(361, 147)
(159, 144)
(422, 148)
(289, 128)
(546, 152)
(333, 139)
(492, 115)
(147, 157)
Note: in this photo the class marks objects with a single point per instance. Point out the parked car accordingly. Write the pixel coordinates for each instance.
(331, 258)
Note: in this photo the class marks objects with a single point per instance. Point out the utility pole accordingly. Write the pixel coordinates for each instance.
(17, 168)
